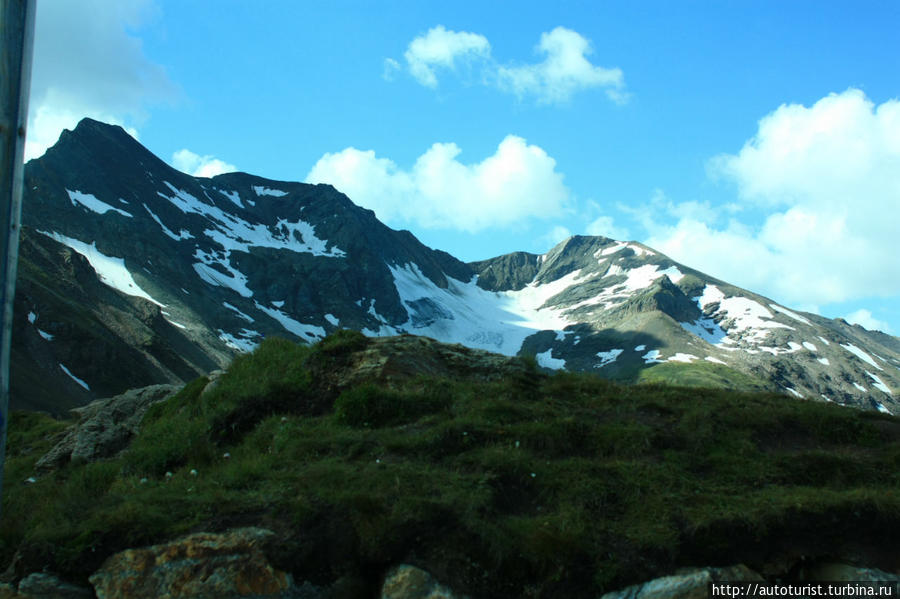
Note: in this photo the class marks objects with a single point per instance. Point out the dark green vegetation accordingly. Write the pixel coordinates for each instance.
(552, 486)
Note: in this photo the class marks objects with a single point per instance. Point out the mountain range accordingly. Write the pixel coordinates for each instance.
(133, 273)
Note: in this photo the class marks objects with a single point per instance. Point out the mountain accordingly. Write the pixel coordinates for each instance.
(135, 273)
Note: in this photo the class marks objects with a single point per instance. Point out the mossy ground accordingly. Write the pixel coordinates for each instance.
(565, 485)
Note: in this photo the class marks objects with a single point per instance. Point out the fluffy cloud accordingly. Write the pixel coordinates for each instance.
(519, 181)
(441, 48)
(605, 226)
(826, 178)
(564, 70)
(864, 318)
(86, 64)
(200, 166)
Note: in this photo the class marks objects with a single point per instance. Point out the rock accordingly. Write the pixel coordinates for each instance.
(105, 428)
(688, 584)
(409, 582)
(225, 566)
(39, 585)
(393, 360)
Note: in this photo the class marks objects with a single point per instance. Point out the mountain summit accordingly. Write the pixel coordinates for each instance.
(135, 273)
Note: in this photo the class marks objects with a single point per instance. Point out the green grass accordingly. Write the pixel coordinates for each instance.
(565, 485)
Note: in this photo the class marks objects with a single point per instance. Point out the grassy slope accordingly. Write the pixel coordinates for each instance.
(566, 485)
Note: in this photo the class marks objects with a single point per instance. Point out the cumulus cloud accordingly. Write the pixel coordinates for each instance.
(564, 70)
(605, 226)
(200, 166)
(86, 64)
(864, 318)
(441, 48)
(826, 178)
(519, 181)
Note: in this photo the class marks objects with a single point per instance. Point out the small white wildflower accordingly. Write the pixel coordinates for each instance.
(226, 455)
(284, 419)
(377, 460)
(517, 444)
(533, 475)
(30, 480)
(193, 472)
(168, 475)
(143, 481)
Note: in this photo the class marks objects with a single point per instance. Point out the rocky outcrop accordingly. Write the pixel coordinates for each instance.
(105, 428)
(227, 565)
(690, 584)
(396, 359)
(409, 582)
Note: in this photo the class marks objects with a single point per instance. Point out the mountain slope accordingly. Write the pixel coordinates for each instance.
(230, 260)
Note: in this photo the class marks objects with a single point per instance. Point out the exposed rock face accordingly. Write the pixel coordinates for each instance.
(409, 582)
(691, 584)
(226, 566)
(106, 426)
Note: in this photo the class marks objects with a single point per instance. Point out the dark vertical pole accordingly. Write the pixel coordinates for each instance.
(16, 43)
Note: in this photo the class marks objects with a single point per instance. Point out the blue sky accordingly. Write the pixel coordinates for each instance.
(756, 141)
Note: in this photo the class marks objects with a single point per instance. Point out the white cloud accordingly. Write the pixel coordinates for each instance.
(200, 166)
(519, 181)
(606, 227)
(827, 177)
(564, 71)
(87, 64)
(555, 235)
(864, 318)
(440, 48)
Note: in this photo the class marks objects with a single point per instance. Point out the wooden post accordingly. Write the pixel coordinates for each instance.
(16, 43)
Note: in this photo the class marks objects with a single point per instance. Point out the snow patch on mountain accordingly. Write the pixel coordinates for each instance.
(177, 237)
(235, 234)
(790, 314)
(304, 331)
(233, 196)
(242, 343)
(879, 384)
(652, 357)
(73, 377)
(608, 357)
(861, 355)
(810, 346)
(331, 318)
(93, 204)
(238, 312)
(547, 360)
(109, 269)
(683, 357)
(265, 191)
(234, 280)
(465, 313)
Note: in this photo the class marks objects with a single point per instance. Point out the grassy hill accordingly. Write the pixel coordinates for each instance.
(517, 484)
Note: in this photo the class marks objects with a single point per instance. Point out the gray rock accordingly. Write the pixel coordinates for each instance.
(409, 582)
(39, 585)
(688, 584)
(105, 428)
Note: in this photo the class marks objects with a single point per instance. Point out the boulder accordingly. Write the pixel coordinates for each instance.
(687, 584)
(226, 565)
(409, 582)
(105, 428)
(40, 585)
